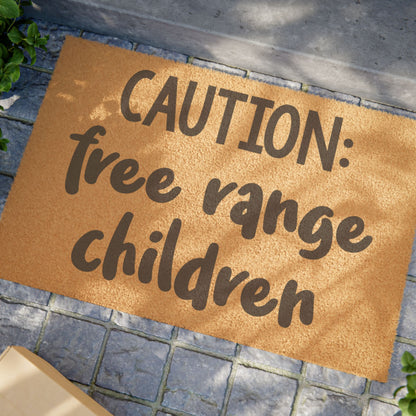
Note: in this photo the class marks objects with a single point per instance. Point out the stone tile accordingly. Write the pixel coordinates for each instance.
(19, 325)
(26, 95)
(57, 35)
(377, 408)
(163, 53)
(21, 292)
(319, 402)
(407, 323)
(218, 67)
(322, 92)
(132, 365)
(5, 186)
(118, 407)
(348, 382)
(388, 109)
(206, 342)
(256, 392)
(396, 377)
(108, 40)
(268, 79)
(268, 358)
(18, 135)
(72, 346)
(196, 383)
(142, 324)
(83, 308)
(412, 265)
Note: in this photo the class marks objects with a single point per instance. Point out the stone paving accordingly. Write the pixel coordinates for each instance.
(134, 366)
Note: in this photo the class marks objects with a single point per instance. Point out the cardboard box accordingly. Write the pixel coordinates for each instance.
(29, 386)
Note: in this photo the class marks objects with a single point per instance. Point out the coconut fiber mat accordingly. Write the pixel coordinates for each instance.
(250, 212)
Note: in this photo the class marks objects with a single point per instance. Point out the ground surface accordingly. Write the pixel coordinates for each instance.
(133, 366)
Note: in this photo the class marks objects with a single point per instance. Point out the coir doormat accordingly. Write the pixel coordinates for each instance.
(246, 211)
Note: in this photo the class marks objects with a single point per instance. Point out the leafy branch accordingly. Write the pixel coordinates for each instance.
(17, 36)
(408, 403)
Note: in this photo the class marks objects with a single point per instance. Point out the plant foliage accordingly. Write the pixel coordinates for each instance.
(408, 403)
(18, 39)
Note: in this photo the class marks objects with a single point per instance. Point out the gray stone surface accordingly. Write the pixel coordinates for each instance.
(396, 377)
(219, 67)
(196, 383)
(19, 325)
(275, 81)
(132, 365)
(270, 359)
(108, 40)
(377, 408)
(142, 324)
(21, 292)
(206, 342)
(407, 323)
(257, 392)
(72, 346)
(118, 407)
(5, 186)
(388, 109)
(334, 378)
(322, 92)
(412, 264)
(18, 135)
(360, 48)
(162, 53)
(57, 35)
(25, 97)
(314, 401)
(82, 308)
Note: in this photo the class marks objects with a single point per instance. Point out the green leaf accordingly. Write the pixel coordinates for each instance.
(404, 405)
(32, 31)
(3, 144)
(9, 9)
(408, 362)
(5, 84)
(3, 51)
(32, 53)
(17, 57)
(13, 72)
(412, 408)
(15, 35)
(411, 382)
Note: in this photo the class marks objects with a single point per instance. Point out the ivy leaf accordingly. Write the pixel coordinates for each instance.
(32, 53)
(3, 144)
(408, 362)
(17, 57)
(412, 408)
(5, 84)
(32, 31)
(9, 9)
(3, 51)
(15, 35)
(13, 72)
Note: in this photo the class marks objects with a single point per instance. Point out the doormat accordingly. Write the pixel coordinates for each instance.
(253, 213)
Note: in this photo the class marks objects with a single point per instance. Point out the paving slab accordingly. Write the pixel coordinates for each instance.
(363, 48)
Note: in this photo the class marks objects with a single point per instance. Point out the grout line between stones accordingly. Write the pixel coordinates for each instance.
(20, 120)
(44, 323)
(301, 383)
(166, 369)
(99, 361)
(365, 397)
(230, 381)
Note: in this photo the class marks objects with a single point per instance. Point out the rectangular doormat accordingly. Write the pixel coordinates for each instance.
(254, 213)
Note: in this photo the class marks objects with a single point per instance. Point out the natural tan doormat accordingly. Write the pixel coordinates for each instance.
(254, 213)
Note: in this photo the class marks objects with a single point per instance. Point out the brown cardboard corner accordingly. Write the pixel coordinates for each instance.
(29, 386)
